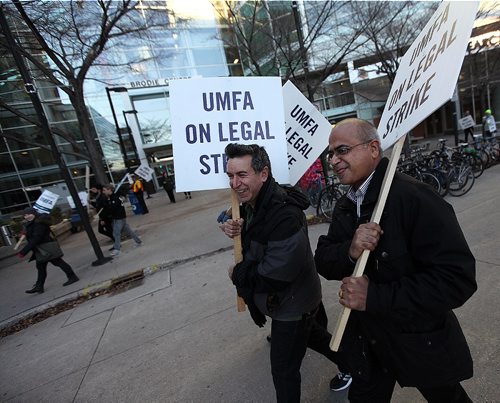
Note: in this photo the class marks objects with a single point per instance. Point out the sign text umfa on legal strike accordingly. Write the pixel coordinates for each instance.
(232, 131)
(420, 95)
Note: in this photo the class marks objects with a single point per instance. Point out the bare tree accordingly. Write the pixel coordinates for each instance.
(62, 41)
(156, 130)
(273, 39)
(390, 27)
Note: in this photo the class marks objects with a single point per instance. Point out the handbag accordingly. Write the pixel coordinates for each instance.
(47, 251)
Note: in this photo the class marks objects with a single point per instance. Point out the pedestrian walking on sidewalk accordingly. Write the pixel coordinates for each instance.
(138, 189)
(119, 215)
(168, 185)
(38, 234)
(100, 203)
(277, 277)
(401, 327)
(489, 124)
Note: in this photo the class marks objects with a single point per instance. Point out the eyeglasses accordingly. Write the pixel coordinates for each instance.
(343, 150)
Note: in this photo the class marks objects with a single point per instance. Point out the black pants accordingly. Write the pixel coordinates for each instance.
(140, 198)
(467, 132)
(289, 342)
(59, 262)
(171, 195)
(105, 227)
(379, 389)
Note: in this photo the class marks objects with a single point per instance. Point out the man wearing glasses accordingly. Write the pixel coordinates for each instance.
(401, 327)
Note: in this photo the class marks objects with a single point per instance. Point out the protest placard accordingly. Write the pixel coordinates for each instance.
(466, 122)
(425, 80)
(209, 113)
(83, 199)
(145, 172)
(428, 71)
(46, 202)
(307, 131)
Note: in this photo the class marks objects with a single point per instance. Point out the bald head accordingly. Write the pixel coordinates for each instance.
(354, 150)
(362, 130)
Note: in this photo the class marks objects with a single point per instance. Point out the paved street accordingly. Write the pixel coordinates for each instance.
(177, 337)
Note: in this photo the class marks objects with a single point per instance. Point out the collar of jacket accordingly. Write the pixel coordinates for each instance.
(373, 190)
(264, 196)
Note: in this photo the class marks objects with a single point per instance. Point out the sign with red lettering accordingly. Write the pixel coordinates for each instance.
(209, 113)
(428, 71)
(307, 131)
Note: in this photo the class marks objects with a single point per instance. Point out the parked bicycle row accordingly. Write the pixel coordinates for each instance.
(450, 170)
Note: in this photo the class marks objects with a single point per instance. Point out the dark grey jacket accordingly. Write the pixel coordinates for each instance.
(277, 272)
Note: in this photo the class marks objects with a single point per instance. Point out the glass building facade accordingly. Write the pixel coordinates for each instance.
(188, 44)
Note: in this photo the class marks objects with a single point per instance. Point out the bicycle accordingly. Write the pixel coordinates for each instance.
(457, 167)
(315, 187)
(329, 197)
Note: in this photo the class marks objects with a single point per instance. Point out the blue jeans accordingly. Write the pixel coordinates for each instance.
(118, 227)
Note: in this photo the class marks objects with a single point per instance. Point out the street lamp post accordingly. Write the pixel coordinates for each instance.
(130, 135)
(118, 131)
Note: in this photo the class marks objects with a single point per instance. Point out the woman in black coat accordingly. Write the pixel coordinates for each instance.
(37, 231)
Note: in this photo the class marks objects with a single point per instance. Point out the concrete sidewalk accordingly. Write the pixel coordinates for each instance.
(170, 232)
(177, 337)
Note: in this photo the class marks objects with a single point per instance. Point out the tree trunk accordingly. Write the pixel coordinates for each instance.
(84, 122)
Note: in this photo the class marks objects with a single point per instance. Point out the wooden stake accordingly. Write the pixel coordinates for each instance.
(23, 237)
(376, 215)
(238, 255)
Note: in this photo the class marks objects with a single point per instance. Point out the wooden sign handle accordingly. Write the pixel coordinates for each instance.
(23, 237)
(363, 259)
(238, 255)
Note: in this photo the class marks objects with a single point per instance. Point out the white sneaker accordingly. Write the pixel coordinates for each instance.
(340, 382)
(115, 252)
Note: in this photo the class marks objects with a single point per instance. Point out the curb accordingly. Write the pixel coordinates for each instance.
(104, 286)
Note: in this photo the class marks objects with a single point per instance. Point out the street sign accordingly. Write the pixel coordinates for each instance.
(428, 71)
(307, 131)
(209, 113)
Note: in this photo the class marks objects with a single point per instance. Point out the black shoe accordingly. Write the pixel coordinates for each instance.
(36, 289)
(71, 280)
(340, 382)
(110, 249)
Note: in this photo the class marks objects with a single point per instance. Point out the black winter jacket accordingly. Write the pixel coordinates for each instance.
(277, 273)
(37, 232)
(421, 269)
(115, 207)
(102, 206)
